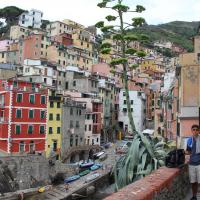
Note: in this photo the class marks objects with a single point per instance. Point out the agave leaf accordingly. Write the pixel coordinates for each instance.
(159, 144)
(147, 144)
(155, 163)
(144, 158)
(161, 163)
(134, 158)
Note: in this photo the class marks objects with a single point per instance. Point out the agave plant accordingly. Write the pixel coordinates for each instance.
(145, 155)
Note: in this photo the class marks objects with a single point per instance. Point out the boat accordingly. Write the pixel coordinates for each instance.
(85, 172)
(86, 164)
(71, 178)
(96, 166)
(97, 155)
(103, 157)
(92, 177)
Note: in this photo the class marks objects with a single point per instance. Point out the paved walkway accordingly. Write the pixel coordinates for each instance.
(189, 196)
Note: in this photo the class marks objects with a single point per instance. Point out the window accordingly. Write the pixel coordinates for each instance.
(42, 100)
(41, 129)
(57, 117)
(58, 130)
(124, 109)
(124, 101)
(51, 116)
(90, 127)
(66, 85)
(18, 113)
(19, 98)
(71, 140)
(51, 104)
(131, 102)
(50, 130)
(31, 114)
(71, 124)
(21, 147)
(76, 140)
(30, 129)
(58, 104)
(77, 124)
(79, 112)
(85, 127)
(32, 98)
(74, 83)
(42, 114)
(71, 111)
(131, 109)
(17, 129)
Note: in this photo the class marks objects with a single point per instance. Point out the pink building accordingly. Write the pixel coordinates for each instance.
(5, 45)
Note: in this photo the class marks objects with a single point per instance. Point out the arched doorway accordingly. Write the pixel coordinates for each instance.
(82, 155)
(72, 158)
(91, 154)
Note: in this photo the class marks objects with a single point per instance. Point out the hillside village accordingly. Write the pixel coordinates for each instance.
(59, 94)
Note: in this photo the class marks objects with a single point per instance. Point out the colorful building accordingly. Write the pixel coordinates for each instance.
(23, 117)
(54, 124)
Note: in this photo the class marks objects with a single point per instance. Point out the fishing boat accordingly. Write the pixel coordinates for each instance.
(103, 157)
(92, 177)
(85, 172)
(71, 178)
(86, 164)
(97, 155)
(96, 166)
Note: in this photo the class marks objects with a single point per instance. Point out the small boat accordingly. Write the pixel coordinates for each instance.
(71, 179)
(103, 157)
(86, 164)
(97, 155)
(96, 166)
(85, 172)
(92, 177)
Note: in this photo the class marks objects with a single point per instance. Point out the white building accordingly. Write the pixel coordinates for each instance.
(35, 72)
(32, 18)
(138, 106)
(168, 80)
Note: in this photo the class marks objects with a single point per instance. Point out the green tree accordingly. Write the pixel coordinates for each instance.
(123, 38)
(145, 154)
(10, 14)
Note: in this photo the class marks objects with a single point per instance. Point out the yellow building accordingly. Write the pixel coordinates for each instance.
(148, 64)
(17, 31)
(54, 124)
(57, 28)
(70, 56)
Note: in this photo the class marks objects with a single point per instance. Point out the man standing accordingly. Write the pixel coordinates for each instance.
(193, 148)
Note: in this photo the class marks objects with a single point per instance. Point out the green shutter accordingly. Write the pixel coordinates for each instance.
(18, 129)
(30, 129)
(18, 113)
(32, 98)
(31, 114)
(41, 129)
(42, 114)
(42, 99)
(19, 98)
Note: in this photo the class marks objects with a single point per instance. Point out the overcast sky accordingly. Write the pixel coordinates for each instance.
(87, 13)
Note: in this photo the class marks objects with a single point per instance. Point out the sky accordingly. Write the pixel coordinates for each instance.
(87, 13)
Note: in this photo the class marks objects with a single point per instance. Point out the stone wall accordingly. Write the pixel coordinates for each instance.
(163, 184)
(22, 172)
